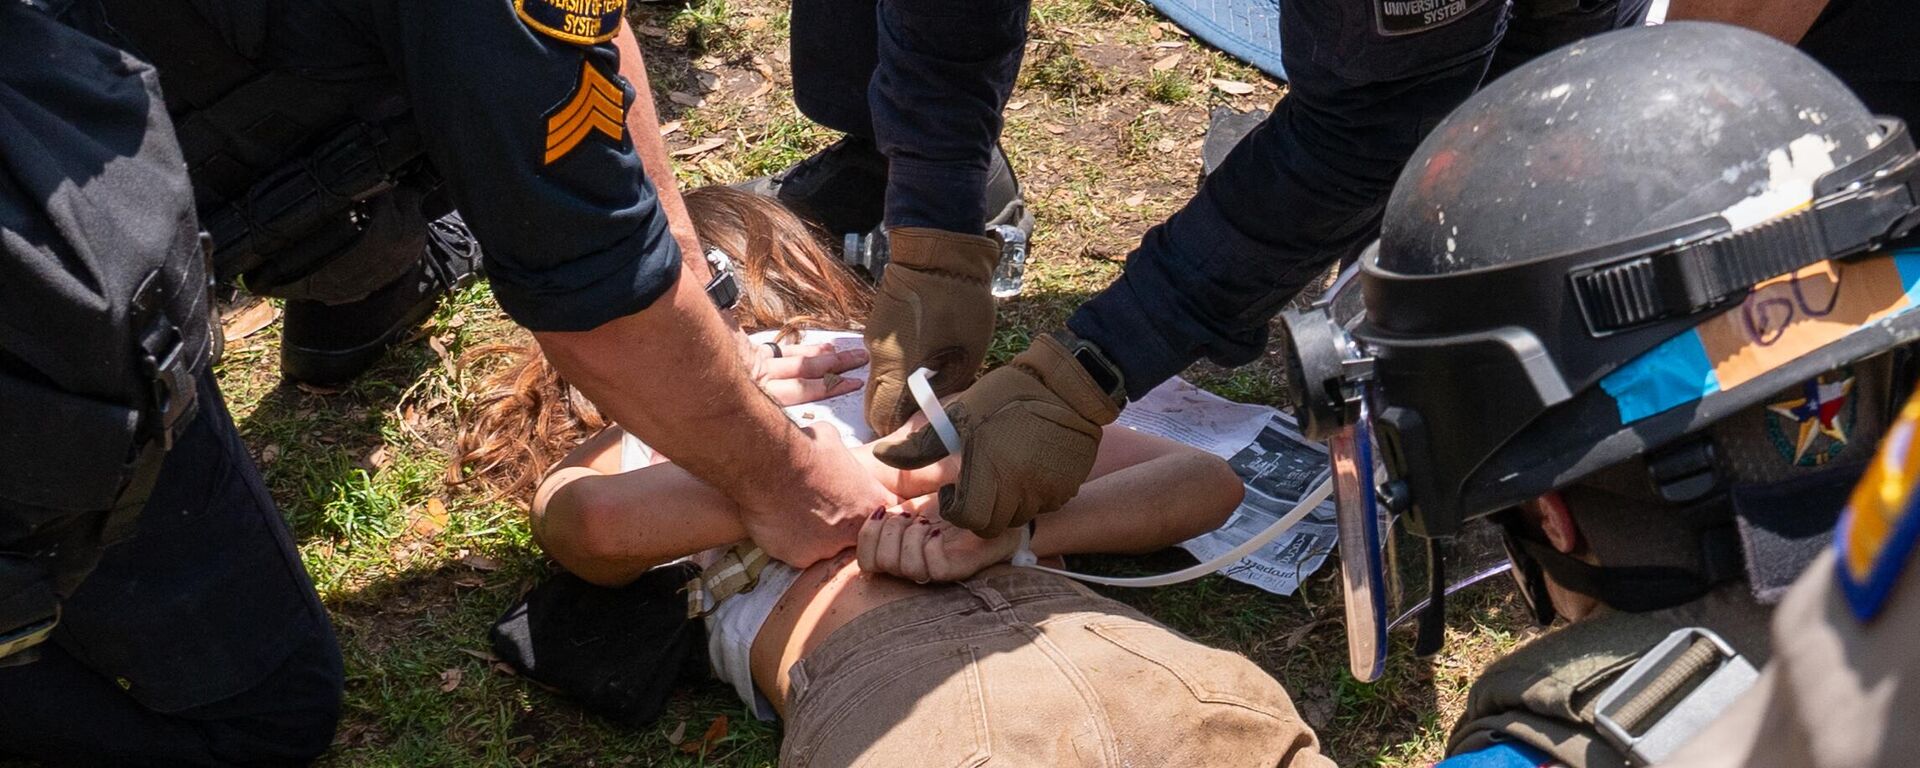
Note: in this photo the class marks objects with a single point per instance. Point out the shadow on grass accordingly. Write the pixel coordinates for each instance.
(422, 689)
(321, 453)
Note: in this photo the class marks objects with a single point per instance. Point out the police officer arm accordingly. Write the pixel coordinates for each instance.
(800, 492)
(525, 114)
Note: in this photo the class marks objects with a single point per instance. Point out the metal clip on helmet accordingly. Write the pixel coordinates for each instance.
(1551, 265)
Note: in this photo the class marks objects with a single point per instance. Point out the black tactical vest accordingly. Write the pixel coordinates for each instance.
(103, 306)
(288, 169)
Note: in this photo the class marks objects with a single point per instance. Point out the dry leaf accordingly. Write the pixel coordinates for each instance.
(450, 679)
(527, 754)
(1055, 128)
(716, 731)
(481, 655)
(1168, 63)
(1169, 44)
(685, 99)
(679, 734)
(246, 322)
(701, 148)
(270, 454)
(1137, 199)
(321, 391)
(651, 31)
(1174, 28)
(480, 563)
(1234, 87)
(379, 459)
(765, 87)
(503, 668)
(1016, 105)
(432, 520)
(668, 129)
(1164, 146)
(439, 346)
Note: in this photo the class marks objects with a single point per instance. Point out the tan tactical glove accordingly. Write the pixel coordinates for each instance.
(933, 310)
(1028, 430)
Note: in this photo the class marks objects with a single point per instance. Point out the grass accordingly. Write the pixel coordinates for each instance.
(414, 571)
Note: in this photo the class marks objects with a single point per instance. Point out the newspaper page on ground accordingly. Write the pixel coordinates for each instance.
(1277, 464)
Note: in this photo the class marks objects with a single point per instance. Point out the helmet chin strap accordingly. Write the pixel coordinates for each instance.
(950, 437)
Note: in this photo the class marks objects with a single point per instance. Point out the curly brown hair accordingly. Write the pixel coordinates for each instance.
(526, 417)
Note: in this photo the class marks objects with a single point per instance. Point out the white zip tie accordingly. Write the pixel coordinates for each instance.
(936, 416)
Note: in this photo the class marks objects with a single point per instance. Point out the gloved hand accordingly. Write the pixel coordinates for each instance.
(933, 310)
(1029, 431)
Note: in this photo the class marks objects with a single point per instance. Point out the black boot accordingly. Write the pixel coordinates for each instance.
(329, 345)
(843, 188)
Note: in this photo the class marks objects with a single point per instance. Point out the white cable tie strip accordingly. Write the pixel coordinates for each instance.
(1024, 556)
(936, 416)
(1300, 511)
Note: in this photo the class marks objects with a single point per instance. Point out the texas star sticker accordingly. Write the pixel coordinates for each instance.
(1817, 412)
(596, 106)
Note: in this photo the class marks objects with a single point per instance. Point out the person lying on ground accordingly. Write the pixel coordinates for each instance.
(1021, 665)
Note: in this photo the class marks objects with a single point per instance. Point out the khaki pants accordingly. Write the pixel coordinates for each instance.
(1020, 668)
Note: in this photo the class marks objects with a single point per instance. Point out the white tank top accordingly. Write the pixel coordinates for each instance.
(732, 625)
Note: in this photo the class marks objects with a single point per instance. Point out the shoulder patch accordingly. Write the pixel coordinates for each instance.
(1880, 527)
(1406, 17)
(597, 105)
(1812, 429)
(584, 22)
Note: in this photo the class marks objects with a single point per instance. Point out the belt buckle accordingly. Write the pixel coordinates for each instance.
(1621, 710)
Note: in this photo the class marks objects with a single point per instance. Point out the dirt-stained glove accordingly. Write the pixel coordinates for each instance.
(1028, 431)
(933, 310)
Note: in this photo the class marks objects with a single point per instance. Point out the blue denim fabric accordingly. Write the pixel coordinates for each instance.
(199, 641)
(925, 80)
(1305, 188)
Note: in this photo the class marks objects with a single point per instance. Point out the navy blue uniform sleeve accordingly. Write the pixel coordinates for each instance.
(1369, 79)
(528, 130)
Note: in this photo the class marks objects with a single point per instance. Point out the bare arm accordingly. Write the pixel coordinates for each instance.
(1146, 493)
(1167, 494)
(675, 375)
(1784, 20)
(643, 125)
(609, 527)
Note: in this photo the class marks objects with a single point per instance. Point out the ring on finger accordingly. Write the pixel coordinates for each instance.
(773, 346)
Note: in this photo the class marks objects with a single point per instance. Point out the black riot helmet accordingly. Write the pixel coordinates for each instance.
(1614, 246)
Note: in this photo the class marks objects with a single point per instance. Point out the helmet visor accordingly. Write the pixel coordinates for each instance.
(1362, 528)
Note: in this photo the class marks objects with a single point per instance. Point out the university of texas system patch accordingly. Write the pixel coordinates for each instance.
(1406, 17)
(575, 21)
(596, 106)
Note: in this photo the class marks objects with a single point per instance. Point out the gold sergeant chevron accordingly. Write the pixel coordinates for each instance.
(597, 105)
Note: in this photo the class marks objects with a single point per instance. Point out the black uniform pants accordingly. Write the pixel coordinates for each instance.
(925, 80)
(200, 641)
